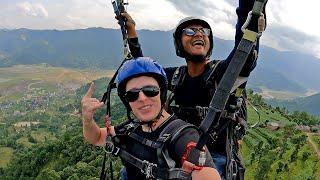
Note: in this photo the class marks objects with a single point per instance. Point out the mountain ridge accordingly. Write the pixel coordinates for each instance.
(102, 48)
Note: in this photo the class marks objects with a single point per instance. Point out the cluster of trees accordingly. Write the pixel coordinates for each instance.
(68, 157)
(65, 157)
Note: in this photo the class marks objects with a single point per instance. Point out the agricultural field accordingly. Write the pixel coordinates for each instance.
(282, 153)
(34, 101)
(18, 80)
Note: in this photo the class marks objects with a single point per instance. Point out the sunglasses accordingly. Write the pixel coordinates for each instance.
(193, 31)
(149, 91)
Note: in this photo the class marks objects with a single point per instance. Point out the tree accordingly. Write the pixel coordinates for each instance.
(48, 174)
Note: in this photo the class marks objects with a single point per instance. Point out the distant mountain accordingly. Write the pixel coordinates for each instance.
(309, 104)
(102, 48)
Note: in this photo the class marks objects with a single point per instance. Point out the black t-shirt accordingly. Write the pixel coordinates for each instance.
(176, 149)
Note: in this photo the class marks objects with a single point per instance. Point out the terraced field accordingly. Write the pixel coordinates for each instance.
(281, 153)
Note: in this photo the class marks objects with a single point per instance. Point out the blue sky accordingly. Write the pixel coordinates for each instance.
(292, 24)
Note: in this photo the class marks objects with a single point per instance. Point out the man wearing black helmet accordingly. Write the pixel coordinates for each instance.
(193, 41)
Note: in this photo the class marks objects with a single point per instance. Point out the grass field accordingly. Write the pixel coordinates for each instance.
(268, 93)
(41, 136)
(21, 78)
(5, 154)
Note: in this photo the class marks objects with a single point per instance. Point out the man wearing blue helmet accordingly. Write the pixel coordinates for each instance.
(154, 144)
(193, 85)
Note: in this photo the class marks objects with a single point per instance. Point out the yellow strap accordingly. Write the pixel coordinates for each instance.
(239, 92)
(250, 35)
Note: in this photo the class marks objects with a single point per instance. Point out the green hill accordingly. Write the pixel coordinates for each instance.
(102, 48)
(278, 153)
(62, 153)
(310, 104)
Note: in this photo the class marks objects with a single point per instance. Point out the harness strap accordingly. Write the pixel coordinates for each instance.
(165, 169)
(172, 130)
(151, 170)
(145, 141)
(219, 100)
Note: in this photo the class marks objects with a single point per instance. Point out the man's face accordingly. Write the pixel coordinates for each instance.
(145, 108)
(197, 44)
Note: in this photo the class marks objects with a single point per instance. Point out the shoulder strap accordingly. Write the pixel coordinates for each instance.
(169, 135)
(178, 77)
(209, 79)
(174, 128)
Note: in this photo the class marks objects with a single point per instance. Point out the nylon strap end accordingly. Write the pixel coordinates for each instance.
(250, 35)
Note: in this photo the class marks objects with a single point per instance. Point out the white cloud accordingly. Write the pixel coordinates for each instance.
(33, 9)
(298, 22)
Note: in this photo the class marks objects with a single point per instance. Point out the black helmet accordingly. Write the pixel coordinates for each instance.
(178, 33)
(141, 66)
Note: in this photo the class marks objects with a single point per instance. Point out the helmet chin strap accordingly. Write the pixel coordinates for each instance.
(153, 121)
(195, 58)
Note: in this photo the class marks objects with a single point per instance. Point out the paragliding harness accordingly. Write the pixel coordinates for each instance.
(165, 166)
(165, 169)
(118, 6)
(235, 115)
(212, 121)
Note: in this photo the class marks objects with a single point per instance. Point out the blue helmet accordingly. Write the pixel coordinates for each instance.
(141, 66)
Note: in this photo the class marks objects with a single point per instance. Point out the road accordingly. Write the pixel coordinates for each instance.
(314, 145)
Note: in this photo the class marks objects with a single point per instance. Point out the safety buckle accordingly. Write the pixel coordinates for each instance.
(129, 126)
(164, 137)
(110, 148)
(202, 111)
(235, 168)
(148, 169)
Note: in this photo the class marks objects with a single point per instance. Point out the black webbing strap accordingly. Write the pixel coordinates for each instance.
(232, 72)
(145, 141)
(151, 170)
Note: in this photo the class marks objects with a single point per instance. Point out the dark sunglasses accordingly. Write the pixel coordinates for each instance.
(149, 91)
(193, 31)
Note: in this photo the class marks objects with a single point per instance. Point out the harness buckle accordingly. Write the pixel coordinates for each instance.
(233, 168)
(129, 126)
(202, 111)
(164, 137)
(148, 169)
(110, 148)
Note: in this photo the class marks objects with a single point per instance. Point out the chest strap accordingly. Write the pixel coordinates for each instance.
(165, 169)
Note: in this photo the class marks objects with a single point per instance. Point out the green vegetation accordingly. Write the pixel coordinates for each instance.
(38, 113)
(5, 154)
(316, 139)
(279, 153)
(41, 137)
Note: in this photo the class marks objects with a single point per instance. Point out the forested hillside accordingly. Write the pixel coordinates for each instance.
(101, 48)
(55, 148)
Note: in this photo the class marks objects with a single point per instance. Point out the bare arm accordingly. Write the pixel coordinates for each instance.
(91, 131)
(206, 173)
(130, 25)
